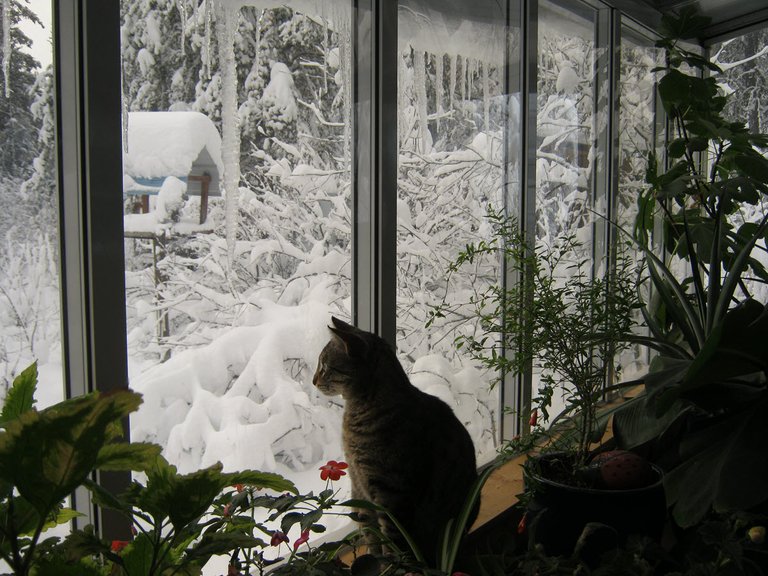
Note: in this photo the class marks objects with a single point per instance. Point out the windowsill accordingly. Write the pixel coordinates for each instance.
(500, 492)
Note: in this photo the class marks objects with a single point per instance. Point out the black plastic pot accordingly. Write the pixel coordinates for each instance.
(558, 513)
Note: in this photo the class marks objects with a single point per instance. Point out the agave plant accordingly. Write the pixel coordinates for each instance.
(705, 407)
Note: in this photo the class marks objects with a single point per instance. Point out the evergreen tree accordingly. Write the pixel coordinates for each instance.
(18, 129)
(39, 190)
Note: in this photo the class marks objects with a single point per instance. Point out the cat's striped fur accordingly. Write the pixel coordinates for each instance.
(406, 450)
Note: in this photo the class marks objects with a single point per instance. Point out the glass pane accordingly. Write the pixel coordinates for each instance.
(453, 133)
(30, 301)
(744, 61)
(639, 135)
(565, 129)
(237, 221)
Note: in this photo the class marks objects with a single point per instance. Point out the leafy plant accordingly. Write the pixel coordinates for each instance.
(45, 455)
(563, 319)
(705, 398)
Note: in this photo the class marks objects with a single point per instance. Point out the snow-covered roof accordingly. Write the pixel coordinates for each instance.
(169, 143)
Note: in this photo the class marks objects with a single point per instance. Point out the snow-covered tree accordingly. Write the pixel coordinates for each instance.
(18, 131)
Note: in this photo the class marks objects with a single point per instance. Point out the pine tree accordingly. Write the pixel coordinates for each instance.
(39, 190)
(18, 129)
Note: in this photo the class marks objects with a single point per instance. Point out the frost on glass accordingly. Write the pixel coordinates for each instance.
(744, 61)
(453, 130)
(226, 317)
(30, 309)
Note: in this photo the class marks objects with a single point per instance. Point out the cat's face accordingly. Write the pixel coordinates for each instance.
(342, 361)
(332, 374)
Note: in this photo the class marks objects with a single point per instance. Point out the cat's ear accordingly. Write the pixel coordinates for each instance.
(354, 344)
(341, 325)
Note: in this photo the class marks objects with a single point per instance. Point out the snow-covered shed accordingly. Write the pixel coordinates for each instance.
(185, 145)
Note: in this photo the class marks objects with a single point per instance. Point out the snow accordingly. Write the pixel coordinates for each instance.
(232, 400)
(167, 143)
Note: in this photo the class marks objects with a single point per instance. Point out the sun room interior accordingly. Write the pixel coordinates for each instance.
(352, 148)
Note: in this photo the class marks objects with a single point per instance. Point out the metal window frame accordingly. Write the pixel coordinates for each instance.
(89, 164)
(374, 199)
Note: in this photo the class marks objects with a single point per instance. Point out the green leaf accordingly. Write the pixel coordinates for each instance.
(264, 480)
(48, 454)
(105, 499)
(724, 466)
(753, 165)
(676, 148)
(137, 557)
(215, 543)
(20, 397)
(136, 456)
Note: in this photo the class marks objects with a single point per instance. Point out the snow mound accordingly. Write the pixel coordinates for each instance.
(167, 143)
(246, 399)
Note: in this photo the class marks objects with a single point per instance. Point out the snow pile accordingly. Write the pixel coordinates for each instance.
(167, 143)
(246, 399)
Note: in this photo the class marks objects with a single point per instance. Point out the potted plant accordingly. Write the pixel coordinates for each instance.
(703, 411)
(569, 324)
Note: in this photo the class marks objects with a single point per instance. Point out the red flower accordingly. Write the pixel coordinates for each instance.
(301, 540)
(523, 525)
(238, 487)
(118, 545)
(534, 418)
(333, 470)
(278, 537)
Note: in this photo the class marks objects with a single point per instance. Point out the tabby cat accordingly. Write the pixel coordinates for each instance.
(406, 450)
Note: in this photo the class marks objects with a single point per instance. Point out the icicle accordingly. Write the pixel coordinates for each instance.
(420, 82)
(345, 61)
(7, 47)
(486, 98)
(465, 81)
(326, 31)
(182, 7)
(438, 88)
(124, 107)
(206, 49)
(257, 55)
(226, 27)
(402, 97)
(452, 79)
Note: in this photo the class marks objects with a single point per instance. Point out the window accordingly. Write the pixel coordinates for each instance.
(30, 306)
(566, 132)
(282, 163)
(227, 301)
(744, 61)
(457, 119)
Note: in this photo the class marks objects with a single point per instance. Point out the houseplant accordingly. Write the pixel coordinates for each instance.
(703, 411)
(568, 323)
(179, 520)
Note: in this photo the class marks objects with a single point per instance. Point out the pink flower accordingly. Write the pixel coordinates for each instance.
(301, 540)
(534, 418)
(333, 470)
(278, 538)
(227, 511)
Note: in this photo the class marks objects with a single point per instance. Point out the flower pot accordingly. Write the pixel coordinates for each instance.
(558, 513)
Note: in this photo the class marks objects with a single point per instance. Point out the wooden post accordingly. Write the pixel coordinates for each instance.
(205, 180)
